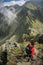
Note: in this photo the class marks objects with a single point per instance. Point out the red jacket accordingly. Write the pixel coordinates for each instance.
(32, 50)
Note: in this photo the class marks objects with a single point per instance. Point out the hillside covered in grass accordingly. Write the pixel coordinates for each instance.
(28, 23)
(30, 20)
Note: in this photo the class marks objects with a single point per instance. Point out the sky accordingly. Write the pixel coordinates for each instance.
(14, 2)
(18, 0)
(7, 0)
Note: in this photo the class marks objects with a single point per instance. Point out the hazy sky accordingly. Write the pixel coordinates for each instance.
(12, 0)
(17, 0)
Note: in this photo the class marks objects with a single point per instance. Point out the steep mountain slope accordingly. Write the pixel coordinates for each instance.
(4, 27)
(28, 20)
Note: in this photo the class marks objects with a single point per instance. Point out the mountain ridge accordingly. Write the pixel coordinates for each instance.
(29, 18)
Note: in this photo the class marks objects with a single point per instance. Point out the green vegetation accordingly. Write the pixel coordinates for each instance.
(29, 21)
(31, 6)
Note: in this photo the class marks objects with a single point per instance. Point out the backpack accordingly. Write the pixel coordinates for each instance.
(28, 49)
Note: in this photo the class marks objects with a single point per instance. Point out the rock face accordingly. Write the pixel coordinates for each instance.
(40, 40)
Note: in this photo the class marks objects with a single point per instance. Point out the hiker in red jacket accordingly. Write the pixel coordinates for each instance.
(30, 50)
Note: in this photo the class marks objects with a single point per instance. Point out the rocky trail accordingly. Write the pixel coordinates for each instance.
(38, 61)
(19, 60)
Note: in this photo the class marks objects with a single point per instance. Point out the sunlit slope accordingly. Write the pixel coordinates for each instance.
(30, 17)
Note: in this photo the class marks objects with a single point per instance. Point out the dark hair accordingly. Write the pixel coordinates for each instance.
(32, 42)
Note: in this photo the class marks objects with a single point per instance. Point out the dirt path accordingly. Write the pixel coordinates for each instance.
(23, 63)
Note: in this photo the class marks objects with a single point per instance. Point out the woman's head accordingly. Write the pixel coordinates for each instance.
(32, 42)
